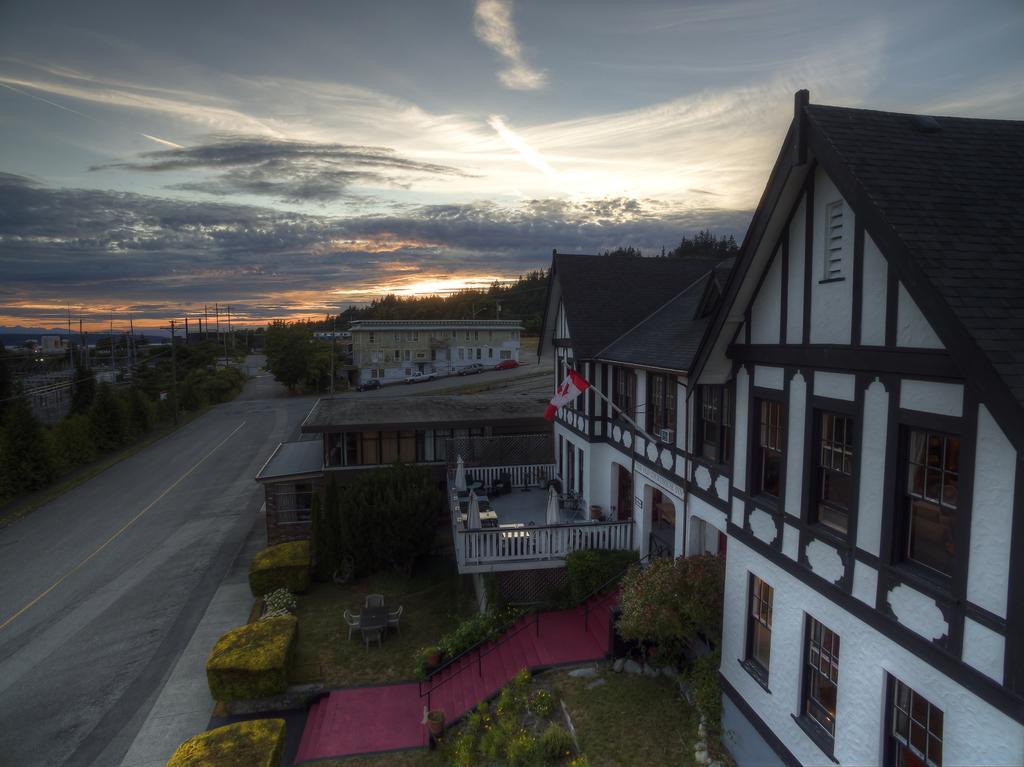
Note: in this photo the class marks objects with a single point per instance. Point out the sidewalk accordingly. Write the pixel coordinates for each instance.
(184, 705)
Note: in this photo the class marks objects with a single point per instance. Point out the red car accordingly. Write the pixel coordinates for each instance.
(506, 365)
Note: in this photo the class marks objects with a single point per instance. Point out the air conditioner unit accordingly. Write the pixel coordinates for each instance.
(667, 435)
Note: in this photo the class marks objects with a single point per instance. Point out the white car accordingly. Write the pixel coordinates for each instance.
(419, 375)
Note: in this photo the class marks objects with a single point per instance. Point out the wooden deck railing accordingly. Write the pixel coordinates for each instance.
(507, 548)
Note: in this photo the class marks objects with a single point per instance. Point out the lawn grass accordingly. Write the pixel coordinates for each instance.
(435, 600)
(629, 720)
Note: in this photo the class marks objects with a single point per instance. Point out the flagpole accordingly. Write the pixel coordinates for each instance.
(619, 410)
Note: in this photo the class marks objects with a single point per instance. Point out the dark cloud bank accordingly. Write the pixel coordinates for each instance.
(80, 245)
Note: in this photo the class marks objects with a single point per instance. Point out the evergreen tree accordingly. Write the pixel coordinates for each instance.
(84, 389)
(26, 461)
(108, 419)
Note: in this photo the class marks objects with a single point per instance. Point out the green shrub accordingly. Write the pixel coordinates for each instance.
(542, 704)
(255, 743)
(285, 566)
(556, 743)
(592, 568)
(670, 601)
(252, 661)
(478, 628)
(523, 750)
(72, 442)
(702, 677)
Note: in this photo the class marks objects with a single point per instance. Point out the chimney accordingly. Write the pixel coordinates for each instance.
(801, 99)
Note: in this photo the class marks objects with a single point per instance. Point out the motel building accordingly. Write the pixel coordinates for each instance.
(870, 342)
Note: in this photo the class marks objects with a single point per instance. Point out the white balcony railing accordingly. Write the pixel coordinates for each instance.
(511, 548)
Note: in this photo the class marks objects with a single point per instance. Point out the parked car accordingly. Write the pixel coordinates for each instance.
(369, 383)
(419, 375)
(469, 370)
(506, 365)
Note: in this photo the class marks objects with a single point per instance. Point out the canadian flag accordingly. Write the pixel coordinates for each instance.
(572, 387)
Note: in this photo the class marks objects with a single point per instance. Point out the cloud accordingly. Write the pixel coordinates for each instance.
(492, 22)
(292, 171)
(166, 257)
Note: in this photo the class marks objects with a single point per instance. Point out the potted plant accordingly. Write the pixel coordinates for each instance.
(427, 659)
(435, 722)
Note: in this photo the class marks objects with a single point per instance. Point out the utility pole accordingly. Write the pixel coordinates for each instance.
(216, 316)
(131, 342)
(186, 330)
(174, 375)
(334, 327)
(226, 338)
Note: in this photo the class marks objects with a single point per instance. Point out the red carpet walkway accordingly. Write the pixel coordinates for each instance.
(368, 719)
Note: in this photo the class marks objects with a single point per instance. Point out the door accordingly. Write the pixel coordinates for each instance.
(624, 496)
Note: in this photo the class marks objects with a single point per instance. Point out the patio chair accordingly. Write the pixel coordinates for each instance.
(394, 616)
(352, 621)
(370, 634)
(374, 600)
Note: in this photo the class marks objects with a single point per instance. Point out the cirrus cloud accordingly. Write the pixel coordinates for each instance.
(492, 22)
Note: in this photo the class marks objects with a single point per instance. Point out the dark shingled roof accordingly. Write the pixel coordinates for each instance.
(952, 189)
(607, 296)
(669, 337)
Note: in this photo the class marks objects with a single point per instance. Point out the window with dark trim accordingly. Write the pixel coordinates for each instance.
(759, 628)
(624, 391)
(930, 500)
(768, 455)
(661, 402)
(715, 423)
(821, 677)
(833, 474)
(914, 728)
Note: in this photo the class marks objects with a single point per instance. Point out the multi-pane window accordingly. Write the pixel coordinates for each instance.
(759, 633)
(933, 476)
(835, 467)
(624, 391)
(915, 729)
(715, 422)
(821, 676)
(768, 463)
(661, 402)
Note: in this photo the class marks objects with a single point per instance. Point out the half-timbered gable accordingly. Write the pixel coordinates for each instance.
(871, 343)
(631, 326)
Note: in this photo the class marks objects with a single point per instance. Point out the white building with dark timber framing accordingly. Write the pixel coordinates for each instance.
(631, 327)
(871, 337)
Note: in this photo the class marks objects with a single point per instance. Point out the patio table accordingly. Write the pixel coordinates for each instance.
(373, 618)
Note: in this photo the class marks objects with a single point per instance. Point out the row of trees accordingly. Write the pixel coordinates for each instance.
(102, 417)
(705, 244)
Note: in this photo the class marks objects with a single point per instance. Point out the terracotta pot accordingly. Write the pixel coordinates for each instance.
(435, 723)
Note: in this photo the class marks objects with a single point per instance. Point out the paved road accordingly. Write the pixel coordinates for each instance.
(101, 589)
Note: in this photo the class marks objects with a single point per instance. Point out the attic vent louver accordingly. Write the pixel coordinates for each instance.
(834, 240)
(925, 124)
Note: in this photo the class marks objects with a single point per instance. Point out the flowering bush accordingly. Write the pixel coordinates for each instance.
(542, 704)
(278, 603)
(671, 601)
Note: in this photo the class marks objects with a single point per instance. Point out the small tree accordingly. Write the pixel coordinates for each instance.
(108, 418)
(670, 602)
(26, 460)
(325, 532)
(84, 389)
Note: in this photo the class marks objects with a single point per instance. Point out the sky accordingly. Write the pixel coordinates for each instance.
(292, 159)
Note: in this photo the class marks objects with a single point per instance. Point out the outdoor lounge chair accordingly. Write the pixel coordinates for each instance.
(394, 616)
(352, 621)
(374, 600)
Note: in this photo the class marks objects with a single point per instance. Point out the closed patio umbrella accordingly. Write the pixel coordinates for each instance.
(473, 521)
(552, 514)
(460, 475)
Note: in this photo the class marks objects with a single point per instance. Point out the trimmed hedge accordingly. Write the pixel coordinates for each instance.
(590, 569)
(285, 566)
(256, 743)
(252, 661)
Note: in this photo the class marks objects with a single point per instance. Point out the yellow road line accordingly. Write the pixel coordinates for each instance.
(113, 537)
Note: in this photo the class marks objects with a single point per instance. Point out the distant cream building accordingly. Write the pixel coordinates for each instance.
(390, 350)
